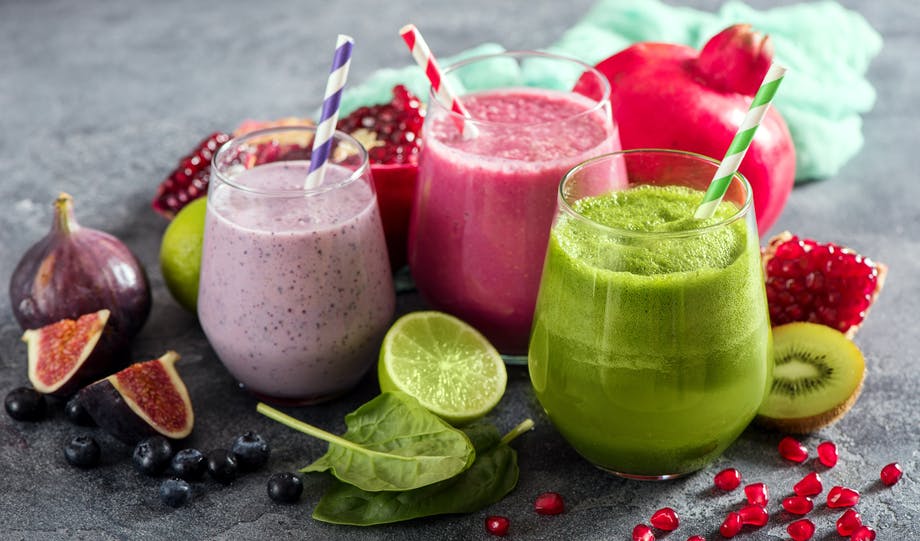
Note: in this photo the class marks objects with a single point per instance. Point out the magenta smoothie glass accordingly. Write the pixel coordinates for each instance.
(485, 202)
(296, 291)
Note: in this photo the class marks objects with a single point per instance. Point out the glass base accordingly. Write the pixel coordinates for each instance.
(663, 477)
(286, 402)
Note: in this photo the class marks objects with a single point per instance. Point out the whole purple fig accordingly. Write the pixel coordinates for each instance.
(75, 270)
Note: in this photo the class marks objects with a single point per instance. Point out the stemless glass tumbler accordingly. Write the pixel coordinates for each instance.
(486, 187)
(296, 290)
(651, 349)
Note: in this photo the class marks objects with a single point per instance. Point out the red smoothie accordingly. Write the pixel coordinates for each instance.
(484, 205)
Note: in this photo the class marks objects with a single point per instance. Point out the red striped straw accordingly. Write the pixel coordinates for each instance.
(422, 55)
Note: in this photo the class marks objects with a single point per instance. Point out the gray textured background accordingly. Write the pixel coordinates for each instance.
(99, 98)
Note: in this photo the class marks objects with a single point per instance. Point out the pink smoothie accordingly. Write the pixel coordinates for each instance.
(484, 205)
(296, 292)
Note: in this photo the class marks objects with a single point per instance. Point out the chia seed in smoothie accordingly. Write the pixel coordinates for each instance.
(296, 290)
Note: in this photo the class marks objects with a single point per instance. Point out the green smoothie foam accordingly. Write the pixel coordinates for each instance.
(650, 353)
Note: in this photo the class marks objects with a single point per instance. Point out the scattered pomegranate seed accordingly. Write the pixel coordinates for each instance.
(696, 538)
(549, 503)
(798, 505)
(801, 530)
(810, 485)
(792, 449)
(497, 525)
(827, 453)
(665, 519)
(848, 522)
(891, 473)
(757, 494)
(863, 533)
(728, 479)
(754, 515)
(842, 497)
(642, 533)
(818, 282)
(731, 525)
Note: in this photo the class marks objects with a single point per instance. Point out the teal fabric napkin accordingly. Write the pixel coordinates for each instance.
(826, 47)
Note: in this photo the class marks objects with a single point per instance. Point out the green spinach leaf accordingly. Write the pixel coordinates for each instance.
(491, 477)
(392, 443)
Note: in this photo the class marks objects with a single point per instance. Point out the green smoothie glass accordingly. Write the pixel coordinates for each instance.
(651, 348)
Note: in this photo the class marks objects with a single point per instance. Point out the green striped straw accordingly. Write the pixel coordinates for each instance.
(740, 143)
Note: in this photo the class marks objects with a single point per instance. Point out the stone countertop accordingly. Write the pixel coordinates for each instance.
(99, 99)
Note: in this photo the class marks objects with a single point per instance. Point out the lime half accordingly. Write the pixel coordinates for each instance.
(444, 363)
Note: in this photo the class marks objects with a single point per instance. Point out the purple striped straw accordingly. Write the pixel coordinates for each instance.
(322, 142)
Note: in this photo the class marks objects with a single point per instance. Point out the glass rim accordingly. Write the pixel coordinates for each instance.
(238, 141)
(741, 213)
(598, 103)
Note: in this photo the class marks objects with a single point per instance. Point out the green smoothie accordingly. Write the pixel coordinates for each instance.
(651, 346)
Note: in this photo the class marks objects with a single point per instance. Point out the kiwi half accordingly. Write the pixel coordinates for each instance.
(817, 376)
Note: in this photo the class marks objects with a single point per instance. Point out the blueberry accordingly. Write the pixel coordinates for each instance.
(222, 466)
(175, 492)
(152, 455)
(82, 451)
(189, 464)
(77, 414)
(285, 487)
(250, 450)
(25, 404)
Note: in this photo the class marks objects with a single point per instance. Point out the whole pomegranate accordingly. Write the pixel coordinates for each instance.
(671, 96)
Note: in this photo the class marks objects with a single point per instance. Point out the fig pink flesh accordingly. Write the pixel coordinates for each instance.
(150, 386)
(61, 346)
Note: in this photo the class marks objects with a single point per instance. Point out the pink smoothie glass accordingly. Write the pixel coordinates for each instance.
(486, 190)
(296, 291)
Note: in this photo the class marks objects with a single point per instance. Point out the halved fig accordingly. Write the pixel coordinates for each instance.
(144, 399)
(66, 355)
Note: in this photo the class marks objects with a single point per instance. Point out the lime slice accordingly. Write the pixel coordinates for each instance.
(444, 363)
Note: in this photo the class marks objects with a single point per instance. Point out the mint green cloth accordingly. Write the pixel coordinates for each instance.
(826, 47)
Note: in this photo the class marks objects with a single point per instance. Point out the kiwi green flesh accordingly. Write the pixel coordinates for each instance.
(817, 376)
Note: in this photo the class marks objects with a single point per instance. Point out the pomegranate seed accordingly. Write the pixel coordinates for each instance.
(818, 282)
(848, 522)
(497, 525)
(891, 473)
(863, 533)
(798, 505)
(391, 131)
(792, 449)
(177, 189)
(728, 479)
(827, 453)
(801, 530)
(731, 525)
(642, 533)
(665, 519)
(757, 494)
(696, 538)
(810, 485)
(754, 515)
(842, 497)
(549, 503)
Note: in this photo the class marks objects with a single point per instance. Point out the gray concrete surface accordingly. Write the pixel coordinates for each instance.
(99, 98)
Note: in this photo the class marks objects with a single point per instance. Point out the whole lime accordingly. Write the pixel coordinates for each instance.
(180, 254)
